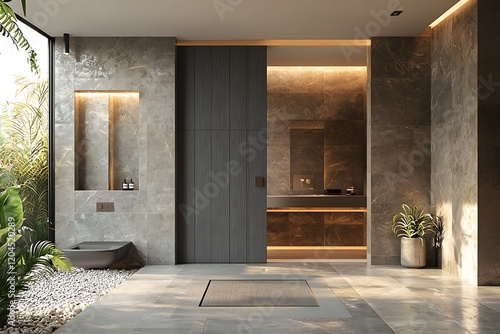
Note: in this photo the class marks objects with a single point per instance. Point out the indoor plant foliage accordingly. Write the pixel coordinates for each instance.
(411, 225)
(437, 240)
(21, 261)
(24, 147)
(10, 29)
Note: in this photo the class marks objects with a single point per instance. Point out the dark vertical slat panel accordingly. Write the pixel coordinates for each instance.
(203, 242)
(202, 87)
(220, 88)
(256, 199)
(237, 204)
(185, 88)
(189, 147)
(185, 197)
(238, 88)
(219, 196)
(257, 87)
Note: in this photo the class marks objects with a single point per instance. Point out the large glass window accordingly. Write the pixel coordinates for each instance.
(24, 127)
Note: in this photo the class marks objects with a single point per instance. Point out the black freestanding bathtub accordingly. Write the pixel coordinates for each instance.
(97, 254)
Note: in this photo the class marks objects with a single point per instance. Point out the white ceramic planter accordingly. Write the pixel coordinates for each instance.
(412, 252)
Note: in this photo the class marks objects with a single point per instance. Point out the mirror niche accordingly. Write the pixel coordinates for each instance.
(106, 139)
(316, 129)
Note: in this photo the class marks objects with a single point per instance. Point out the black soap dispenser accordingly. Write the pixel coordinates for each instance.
(125, 184)
(131, 185)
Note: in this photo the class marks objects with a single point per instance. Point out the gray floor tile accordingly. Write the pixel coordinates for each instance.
(354, 298)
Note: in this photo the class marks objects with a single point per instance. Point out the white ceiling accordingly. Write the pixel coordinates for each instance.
(234, 19)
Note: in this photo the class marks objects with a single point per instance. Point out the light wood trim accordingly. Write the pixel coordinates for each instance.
(307, 209)
(277, 42)
(316, 252)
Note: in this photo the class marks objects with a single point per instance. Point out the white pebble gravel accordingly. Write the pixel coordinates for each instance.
(50, 303)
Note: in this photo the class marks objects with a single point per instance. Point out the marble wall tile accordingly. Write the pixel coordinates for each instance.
(391, 190)
(400, 57)
(400, 136)
(345, 133)
(345, 229)
(148, 66)
(401, 149)
(161, 246)
(278, 169)
(91, 142)
(64, 166)
(345, 80)
(401, 101)
(65, 227)
(162, 102)
(342, 180)
(305, 159)
(345, 235)
(347, 158)
(442, 49)
(464, 35)
(124, 202)
(454, 138)
(278, 229)
(306, 229)
(289, 80)
(344, 106)
(64, 105)
(306, 137)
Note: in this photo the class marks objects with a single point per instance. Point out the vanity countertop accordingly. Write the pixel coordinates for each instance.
(280, 201)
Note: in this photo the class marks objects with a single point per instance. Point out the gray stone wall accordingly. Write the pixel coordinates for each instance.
(399, 127)
(145, 216)
(454, 138)
(337, 98)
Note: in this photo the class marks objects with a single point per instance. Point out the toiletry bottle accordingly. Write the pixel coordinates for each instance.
(131, 185)
(125, 184)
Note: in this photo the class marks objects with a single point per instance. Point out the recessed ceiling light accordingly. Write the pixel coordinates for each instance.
(396, 13)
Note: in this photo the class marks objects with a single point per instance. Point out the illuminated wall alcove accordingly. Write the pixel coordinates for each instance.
(106, 139)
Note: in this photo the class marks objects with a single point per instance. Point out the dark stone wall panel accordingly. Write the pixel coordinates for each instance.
(278, 229)
(401, 57)
(306, 229)
(400, 101)
(400, 136)
(345, 106)
(401, 149)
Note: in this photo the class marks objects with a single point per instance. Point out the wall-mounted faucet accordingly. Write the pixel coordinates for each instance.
(308, 182)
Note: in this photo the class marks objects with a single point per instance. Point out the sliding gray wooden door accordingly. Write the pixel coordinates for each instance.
(221, 151)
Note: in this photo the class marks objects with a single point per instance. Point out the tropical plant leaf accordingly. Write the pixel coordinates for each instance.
(10, 29)
(412, 222)
(24, 129)
(11, 208)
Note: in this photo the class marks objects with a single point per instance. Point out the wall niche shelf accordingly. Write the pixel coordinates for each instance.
(106, 139)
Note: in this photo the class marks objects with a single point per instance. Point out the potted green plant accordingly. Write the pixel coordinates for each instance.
(437, 240)
(411, 225)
